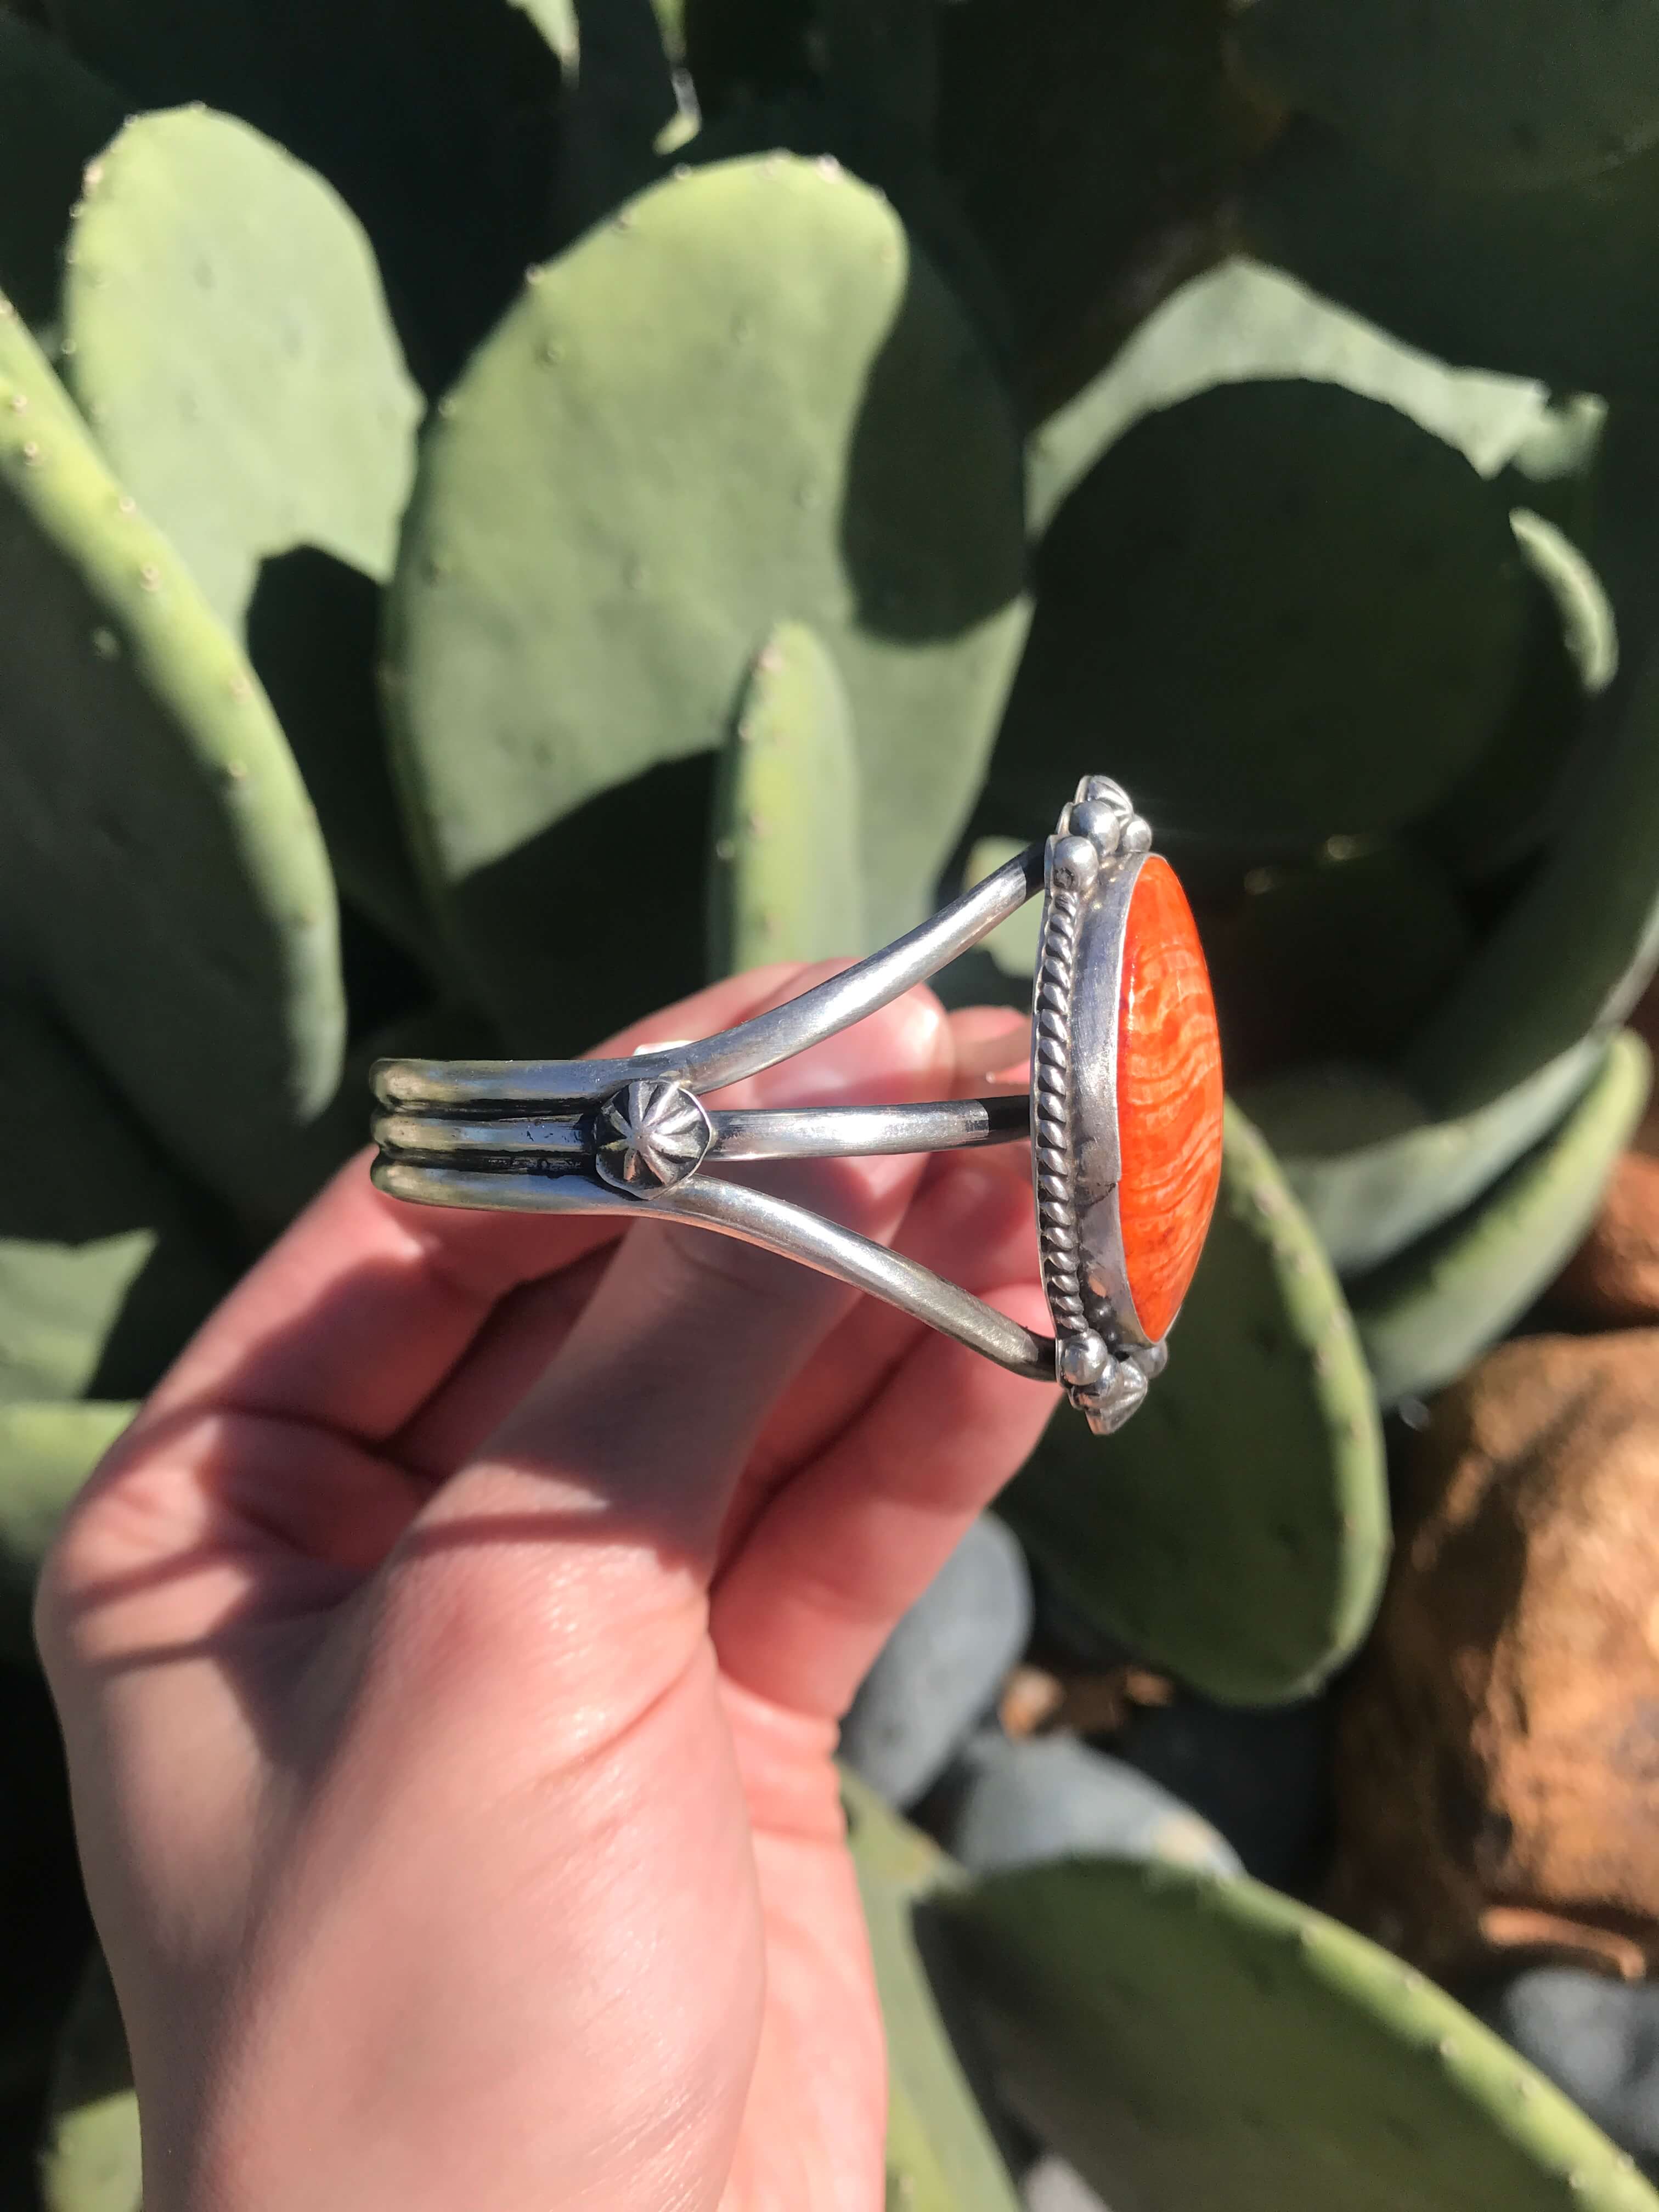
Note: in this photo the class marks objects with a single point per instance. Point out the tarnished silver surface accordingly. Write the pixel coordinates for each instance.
(633, 1137)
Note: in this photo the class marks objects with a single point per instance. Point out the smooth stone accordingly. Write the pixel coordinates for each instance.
(939, 1671)
(1052, 2186)
(1052, 1797)
(1595, 2037)
(1169, 1097)
(1262, 1777)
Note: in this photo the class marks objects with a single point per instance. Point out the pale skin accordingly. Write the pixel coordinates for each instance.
(450, 1660)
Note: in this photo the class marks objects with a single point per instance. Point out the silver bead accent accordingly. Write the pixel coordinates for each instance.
(1080, 1361)
(1105, 790)
(1074, 863)
(1137, 835)
(1103, 825)
(1113, 1399)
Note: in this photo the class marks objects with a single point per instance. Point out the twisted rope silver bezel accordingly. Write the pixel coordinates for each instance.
(1051, 1110)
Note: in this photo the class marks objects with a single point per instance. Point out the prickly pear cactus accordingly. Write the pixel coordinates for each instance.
(1196, 2043)
(1070, 135)
(1374, 1169)
(1431, 91)
(1255, 1569)
(438, 124)
(941, 2156)
(785, 882)
(1243, 322)
(202, 255)
(1425, 1315)
(1288, 511)
(1573, 952)
(1508, 803)
(155, 824)
(1547, 282)
(1287, 366)
(676, 439)
(1283, 957)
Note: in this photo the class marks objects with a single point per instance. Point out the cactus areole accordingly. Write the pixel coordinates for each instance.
(1124, 1115)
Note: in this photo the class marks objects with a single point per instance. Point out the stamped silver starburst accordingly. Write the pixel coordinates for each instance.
(651, 1136)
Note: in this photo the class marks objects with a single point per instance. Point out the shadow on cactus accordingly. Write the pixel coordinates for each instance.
(1236, 1531)
(439, 124)
(671, 443)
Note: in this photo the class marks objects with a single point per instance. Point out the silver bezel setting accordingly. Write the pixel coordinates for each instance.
(1103, 1355)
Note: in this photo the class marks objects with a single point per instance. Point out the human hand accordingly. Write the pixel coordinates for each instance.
(450, 1658)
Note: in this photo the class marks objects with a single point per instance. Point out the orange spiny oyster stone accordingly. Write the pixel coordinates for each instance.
(1169, 1097)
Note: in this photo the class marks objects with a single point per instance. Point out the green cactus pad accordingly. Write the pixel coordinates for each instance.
(226, 336)
(1285, 958)
(1551, 282)
(54, 116)
(1588, 629)
(785, 882)
(1241, 323)
(104, 1270)
(1426, 1315)
(746, 400)
(827, 124)
(1573, 952)
(437, 122)
(46, 1453)
(312, 635)
(91, 2159)
(941, 2156)
(160, 868)
(1507, 805)
(1236, 1532)
(1554, 92)
(1201, 2044)
(1218, 576)
(1371, 1168)
(1088, 149)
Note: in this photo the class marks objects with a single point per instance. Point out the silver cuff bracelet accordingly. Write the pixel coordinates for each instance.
(633, 1137)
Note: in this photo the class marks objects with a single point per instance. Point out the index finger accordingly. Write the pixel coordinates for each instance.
(364, 1306)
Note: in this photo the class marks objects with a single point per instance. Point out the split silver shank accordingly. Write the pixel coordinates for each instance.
(632, 1137)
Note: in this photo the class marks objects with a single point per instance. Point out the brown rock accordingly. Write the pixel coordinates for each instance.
(1498, 1756)
(1612, 1281)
